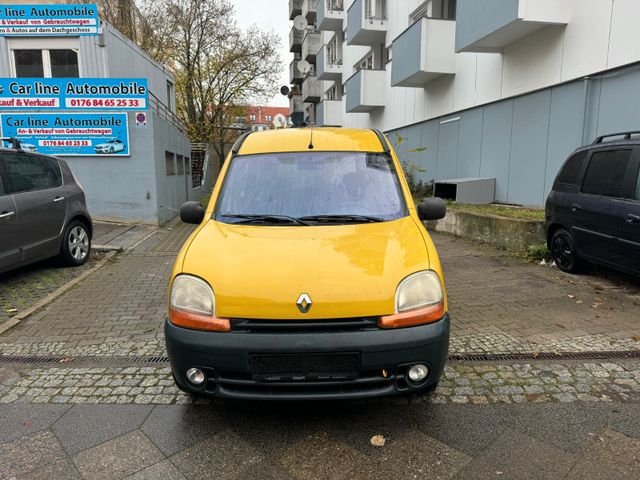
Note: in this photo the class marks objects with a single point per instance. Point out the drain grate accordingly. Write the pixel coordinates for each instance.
(128, 360)
(501, 357)
(93, 361)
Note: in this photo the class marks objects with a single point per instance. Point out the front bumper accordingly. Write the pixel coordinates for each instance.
(226, 360)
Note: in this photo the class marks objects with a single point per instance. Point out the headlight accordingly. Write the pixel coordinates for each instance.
(420, 290)
(192, 295)
(419, 300)
(193, 305)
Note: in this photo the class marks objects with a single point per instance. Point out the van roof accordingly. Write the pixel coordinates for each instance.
(300, 139)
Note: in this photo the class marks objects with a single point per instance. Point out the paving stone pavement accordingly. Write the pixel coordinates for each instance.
(320, 441)
(536, 419)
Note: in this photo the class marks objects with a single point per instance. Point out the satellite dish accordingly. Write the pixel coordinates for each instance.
(304, 67)
(284, 90)
(300, 23)
(279, 121)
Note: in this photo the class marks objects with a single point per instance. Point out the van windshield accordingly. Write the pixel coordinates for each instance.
(311, 188)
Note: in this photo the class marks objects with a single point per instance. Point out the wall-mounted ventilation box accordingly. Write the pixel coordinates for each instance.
(479, 191)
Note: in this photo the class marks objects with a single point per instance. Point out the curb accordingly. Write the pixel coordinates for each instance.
(16, 319)
(105, 248)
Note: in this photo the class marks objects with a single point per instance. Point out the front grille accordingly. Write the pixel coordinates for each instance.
(367, 384)
(303, 326)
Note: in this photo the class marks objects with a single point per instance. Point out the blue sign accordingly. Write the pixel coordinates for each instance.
(48, 20)
(69, 134)
(74, 94)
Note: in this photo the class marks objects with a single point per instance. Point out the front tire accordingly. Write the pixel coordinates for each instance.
(564, 253)
(76, 244)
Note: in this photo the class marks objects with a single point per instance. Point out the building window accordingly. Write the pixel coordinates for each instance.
(51, 58)
(187, 165)
(170, 95)
(269, 118)
(252, 117)
(170, 163)
(180, 165)
(365, 63)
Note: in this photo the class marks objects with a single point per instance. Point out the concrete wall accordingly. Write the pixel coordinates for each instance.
(523, 141)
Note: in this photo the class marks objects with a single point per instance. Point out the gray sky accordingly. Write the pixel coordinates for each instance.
(270, 15)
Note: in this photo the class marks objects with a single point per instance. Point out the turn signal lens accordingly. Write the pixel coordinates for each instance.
(422, 316)
(196, 321)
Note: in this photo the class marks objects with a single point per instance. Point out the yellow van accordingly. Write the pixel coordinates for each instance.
(310, 275)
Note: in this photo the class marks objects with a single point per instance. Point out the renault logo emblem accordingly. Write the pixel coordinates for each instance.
(304, 303)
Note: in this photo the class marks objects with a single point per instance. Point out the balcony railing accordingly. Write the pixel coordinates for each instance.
(428, 52)
(295, 75)
(295, 8)
(366, 22)
(311, 89)
(295, 40)
(330, 15)
(492, 25)
(311, 45)
(365, 91)
(329, 63)
(309, 10)
(329, 113)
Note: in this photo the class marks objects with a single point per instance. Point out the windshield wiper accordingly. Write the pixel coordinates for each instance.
(342, 219)
(248, 218)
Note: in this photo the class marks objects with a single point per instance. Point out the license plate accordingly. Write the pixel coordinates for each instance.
(305, 367)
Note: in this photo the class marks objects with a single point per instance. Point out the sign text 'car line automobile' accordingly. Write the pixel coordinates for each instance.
(310, 275)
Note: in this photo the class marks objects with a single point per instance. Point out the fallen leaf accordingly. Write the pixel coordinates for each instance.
(377, 441)
(498, 472)
(636, 338)
(12, 310)
(579, 302)
(571, 296)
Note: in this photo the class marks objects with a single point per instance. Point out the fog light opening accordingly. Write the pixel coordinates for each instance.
(196, 376)
(417, 374)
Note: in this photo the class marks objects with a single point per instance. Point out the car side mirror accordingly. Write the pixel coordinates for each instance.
(432, 209)
(192, 212)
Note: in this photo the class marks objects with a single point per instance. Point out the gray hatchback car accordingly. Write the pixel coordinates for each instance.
(43, 212)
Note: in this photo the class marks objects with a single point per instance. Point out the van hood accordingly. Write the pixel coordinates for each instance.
(346, 270)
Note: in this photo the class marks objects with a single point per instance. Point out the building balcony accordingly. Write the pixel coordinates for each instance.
(365, 91)
(311, 45)
(367, 22)
(491, 25)
(328, 64)
(295, 8)
(428, 52)
(295, 75)
(295, 102)
(329, 113)
(295, 40)
(309, 10)
(330, 15)
(311, 89)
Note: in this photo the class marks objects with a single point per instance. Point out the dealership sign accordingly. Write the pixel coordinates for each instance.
(69, 134)
(48, 20)
(74, 94)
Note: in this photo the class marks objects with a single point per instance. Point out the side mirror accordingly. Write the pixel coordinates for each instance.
(192, 212)
(432, 209)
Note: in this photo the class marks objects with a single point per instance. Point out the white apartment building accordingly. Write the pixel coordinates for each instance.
(502, 89)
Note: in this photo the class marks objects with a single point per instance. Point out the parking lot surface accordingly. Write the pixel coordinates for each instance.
(85, 389)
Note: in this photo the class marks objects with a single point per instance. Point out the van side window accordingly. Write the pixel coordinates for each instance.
(571, 171)
(29, 172)
(606, 173)
(637, 196)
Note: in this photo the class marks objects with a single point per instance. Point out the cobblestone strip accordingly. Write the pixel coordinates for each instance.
(501, 342)
(462, 383)
(491, 343)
